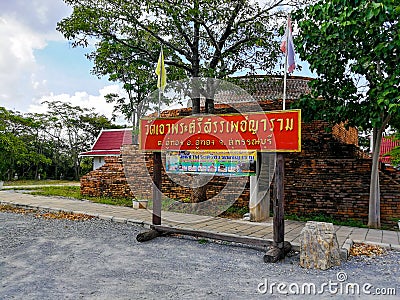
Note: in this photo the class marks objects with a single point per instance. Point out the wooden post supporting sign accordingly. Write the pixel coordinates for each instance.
(279, 248)
(279, 224)
(151, 234)
(157, 164)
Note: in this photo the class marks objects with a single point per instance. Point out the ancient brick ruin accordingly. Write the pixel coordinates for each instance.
(330, 176)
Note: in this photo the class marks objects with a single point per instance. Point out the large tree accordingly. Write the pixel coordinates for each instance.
(354, 47)
(200, 38)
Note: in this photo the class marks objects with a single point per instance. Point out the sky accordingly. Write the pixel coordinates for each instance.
(38, 64)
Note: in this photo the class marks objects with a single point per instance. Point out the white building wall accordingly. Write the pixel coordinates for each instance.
(98, 161)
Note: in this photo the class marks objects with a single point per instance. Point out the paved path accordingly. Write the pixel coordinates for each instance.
(227, 229)
(29, 186)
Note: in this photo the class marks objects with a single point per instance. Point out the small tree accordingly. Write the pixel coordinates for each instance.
(354, 47)
(77, 129)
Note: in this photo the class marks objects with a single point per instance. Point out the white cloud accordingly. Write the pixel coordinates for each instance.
(82, 99)
(16, 56)
(39, 15)
(25, 27)
(27, 30)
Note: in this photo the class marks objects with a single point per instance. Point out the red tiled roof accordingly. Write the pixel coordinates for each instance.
(109, 142)
(101, 153)
(387, 145)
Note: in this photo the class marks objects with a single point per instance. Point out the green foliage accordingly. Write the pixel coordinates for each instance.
(235, 212)
(74, 192)
(137, 76)
(48, 144)
(325, 218)
(395, 156)
(18, 144)
(354, 49)
(71, 130)
(210, 38)
(395, 153)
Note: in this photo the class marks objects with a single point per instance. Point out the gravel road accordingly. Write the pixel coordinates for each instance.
(97, 259)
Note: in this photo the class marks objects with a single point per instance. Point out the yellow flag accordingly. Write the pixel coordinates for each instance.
(160, 71)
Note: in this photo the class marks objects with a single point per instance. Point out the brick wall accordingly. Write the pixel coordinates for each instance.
(139, 171)
(107, 181)
(333, 178)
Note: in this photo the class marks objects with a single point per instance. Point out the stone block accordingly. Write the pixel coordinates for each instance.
(319, 248)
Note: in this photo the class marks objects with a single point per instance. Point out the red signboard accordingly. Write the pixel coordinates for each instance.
(273, 131)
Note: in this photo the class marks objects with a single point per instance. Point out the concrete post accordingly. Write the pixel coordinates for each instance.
(259, 204)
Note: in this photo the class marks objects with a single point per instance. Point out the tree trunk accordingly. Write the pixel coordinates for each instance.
(56, 171)
(199, 192)
(36, 172)
(76, 165)
(210, 91)
(374, 193)
(195, 106)
(209, 108)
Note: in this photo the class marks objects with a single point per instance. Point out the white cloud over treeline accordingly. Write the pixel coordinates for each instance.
(26, 29)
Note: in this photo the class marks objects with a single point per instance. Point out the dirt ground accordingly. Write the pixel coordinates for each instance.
(97, 259)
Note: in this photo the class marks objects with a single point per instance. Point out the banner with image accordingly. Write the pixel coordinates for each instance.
(219, 163)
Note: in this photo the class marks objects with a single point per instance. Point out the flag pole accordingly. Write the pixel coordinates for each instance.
(160, 85)
(157, 162)
(284, 85)
(162, 79)
(277, 251)
(159, 102)
(286, 65)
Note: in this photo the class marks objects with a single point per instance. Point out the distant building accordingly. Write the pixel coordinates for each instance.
(108, 143)
(388, 143)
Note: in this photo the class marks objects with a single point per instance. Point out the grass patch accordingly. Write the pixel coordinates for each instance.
(234, 212)
(165, 203)
(328, 219)
(75, 192)
(36, 182)
(62, 191)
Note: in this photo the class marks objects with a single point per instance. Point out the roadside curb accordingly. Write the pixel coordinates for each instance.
(345, 250)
